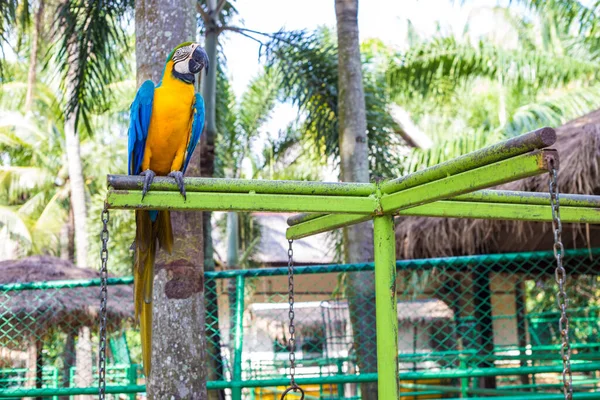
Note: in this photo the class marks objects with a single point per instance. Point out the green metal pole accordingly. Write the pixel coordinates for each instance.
(128, 199)
(386, 307)
(502, 211)
(522, 144)
(512, 169)
(516, 197)
(464, 382)
(236, 391)
(227, 185)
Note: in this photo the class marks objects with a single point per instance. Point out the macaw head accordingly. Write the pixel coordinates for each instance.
(188, 59)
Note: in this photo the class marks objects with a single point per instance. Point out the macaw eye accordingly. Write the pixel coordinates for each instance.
(181, 53)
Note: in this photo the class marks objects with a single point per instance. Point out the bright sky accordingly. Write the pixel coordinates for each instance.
(383, 19)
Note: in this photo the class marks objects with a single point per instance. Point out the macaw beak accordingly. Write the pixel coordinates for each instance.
(198, 61)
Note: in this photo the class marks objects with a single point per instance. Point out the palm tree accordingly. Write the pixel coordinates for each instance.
(354, 167)
(83, 47)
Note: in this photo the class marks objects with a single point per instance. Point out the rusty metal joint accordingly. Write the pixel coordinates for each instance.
(550, 159)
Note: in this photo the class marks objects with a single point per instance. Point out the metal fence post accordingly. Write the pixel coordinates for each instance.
(236, 391)
(386, 305)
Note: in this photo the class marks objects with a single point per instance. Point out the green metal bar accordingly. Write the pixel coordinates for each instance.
(64, 284)
(124, 199)
(236, 392)
(418, 264)
(333, 379)
(299, 218)
(529, 396)
(26, 392)
(488, 175)
(582, 382)
(227, 185)
(324, 224)
(453, 389)
(464, 382)
(386, 307)
(508, 211)
(516, 197)
(538, 139)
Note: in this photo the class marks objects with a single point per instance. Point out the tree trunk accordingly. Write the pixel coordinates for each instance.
(209, 93)
(358, 239)
(83, 361)
(33, 57)
(179, 367)
(74, 165)
(77, 185)
(207, 169)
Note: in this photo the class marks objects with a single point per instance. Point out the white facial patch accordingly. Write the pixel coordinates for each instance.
(182, 67)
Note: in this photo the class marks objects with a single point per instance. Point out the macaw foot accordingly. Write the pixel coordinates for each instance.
(178, 176)
(148, 178)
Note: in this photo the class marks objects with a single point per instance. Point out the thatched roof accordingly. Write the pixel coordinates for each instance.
(578, 145)
(308, 313)
(35, 311)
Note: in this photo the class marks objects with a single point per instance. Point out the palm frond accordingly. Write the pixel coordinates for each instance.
(554, 110)
(228, 139)
(16, 225)
(47, 227)
(257, 103)
(425, 69)
(584, 14)
(8, 18)
(90, 35)
(17, 182)
(419, 159)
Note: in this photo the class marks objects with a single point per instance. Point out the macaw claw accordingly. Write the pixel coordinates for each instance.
(148, 178)
(178, 176)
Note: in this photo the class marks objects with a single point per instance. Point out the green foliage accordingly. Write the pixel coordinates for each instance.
(90, 38)
(305, 67)
(443, 65)
(467, 92)
(8, 18)
(34, 185)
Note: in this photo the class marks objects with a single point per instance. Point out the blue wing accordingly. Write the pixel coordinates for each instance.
(140, 113)
(197, 127)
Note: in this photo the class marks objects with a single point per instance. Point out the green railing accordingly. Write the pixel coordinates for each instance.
(468, 327)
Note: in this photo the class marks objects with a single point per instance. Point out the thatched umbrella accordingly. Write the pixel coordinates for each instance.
(578, 145)
(26, 316)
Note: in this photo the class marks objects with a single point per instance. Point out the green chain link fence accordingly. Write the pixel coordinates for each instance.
(468, 327)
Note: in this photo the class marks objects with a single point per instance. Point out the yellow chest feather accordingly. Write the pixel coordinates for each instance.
(170, 125)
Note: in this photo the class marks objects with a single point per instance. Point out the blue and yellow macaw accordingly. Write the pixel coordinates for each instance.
(165, 126)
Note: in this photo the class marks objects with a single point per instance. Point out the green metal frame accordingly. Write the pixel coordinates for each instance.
(467, 356)
(444, 190)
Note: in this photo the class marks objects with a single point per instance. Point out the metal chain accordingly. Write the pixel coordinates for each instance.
(560, 276)
(103, 301)
(292, 341)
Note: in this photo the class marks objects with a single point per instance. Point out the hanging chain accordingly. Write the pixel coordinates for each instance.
(292, 341)
(103, 300)
(561, 279)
